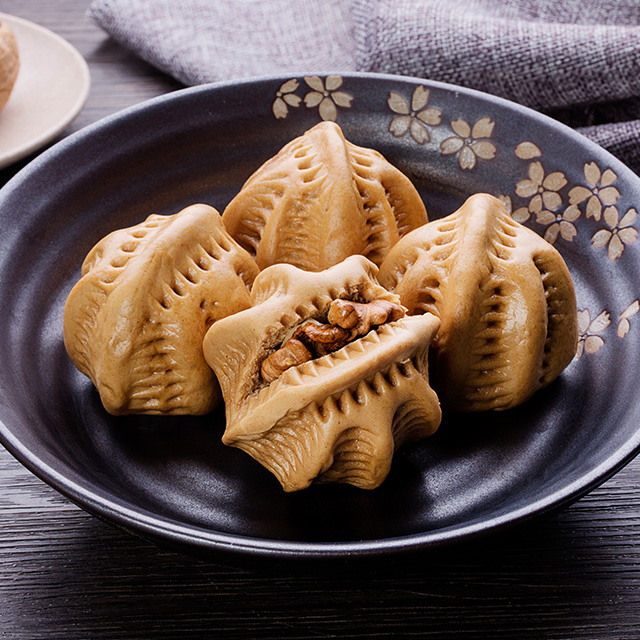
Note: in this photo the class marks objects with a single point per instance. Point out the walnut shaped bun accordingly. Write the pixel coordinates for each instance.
(135, 321)
(324, 376)
(504, 297)
(320, 200)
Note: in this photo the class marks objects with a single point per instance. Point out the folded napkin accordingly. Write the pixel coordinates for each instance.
(576, 60)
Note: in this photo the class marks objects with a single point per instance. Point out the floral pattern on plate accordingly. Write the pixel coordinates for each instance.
(544, 197)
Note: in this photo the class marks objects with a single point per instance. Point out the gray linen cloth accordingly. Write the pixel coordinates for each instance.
(576, 60)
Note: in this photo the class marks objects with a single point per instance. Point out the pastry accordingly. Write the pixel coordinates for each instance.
(9, 62)
(504, 297)
(320, 200)
(324, 376)
(135, 321)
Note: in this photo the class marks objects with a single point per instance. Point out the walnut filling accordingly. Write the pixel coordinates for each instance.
(346, 321)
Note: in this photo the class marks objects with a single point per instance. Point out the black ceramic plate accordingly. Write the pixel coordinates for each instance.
(171, 479)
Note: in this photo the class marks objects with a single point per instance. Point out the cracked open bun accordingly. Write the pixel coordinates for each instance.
(335, 417)
(135, 321)
(320, 200)
(504, 297)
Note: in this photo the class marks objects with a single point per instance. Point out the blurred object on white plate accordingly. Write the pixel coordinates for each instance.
(51, 89)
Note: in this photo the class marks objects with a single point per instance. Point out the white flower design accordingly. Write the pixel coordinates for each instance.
(326, 97)
(413, 117)
(619, 233)
(624, 325)
(589, 341)
(470, 142)
(285, 98)
(544, 201)
(599, 193)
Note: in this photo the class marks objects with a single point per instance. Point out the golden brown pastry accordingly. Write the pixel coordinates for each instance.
(325, 375)
(9, 62)
(504, 297)
(320, 200)
(135, 321)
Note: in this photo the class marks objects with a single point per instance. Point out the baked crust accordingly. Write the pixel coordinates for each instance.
(320, 200)
(504, 297)
(335, 418)
(135, 321)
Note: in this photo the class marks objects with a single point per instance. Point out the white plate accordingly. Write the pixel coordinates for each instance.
(51, 89)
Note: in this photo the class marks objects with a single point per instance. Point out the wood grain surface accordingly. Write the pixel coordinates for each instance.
(67, 575)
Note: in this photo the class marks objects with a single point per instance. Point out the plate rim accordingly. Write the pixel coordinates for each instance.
(113, 118)
(156, 527)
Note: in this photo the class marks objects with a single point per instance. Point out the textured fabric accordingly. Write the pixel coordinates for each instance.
(576, 60)
(199, 41)
(533, 57)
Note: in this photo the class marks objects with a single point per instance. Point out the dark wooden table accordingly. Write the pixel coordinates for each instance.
(65, 574)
